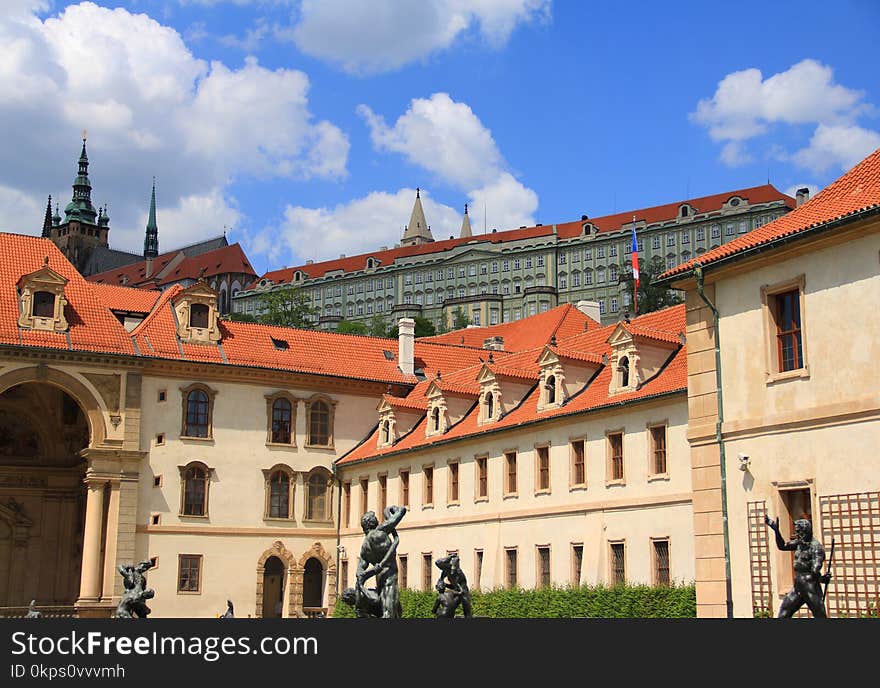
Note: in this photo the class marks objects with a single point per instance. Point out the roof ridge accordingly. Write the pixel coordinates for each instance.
(166, 297)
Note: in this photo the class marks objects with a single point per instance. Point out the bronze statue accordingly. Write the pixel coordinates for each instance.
(808, 559)
(133, 599)
(452, 589)
(378, 558)
(366, 602)
(229, 613)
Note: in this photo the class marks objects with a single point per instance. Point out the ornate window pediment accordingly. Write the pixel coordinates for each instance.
(42, 301)
(490, 396)
(198, 318)
(624, 361)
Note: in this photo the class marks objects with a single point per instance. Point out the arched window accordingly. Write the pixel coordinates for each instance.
(317, 499)
(198, 408)
(194, 489)
(551, 389)
(279, 495)
(490, 406)
(320, 423)
(623, 369)
(198, 315)
(435, 419)
(281, 417)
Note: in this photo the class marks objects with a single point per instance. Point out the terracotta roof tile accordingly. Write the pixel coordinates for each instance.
(126, 298)
(855, 191)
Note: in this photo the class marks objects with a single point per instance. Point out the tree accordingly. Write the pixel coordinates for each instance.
(459, 319)
(651, 297)
(377, 327)
(424, 327)
(350, 327)
(287, 307)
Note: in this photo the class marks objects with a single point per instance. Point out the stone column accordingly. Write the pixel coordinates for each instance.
(110, 574)
(90, 582)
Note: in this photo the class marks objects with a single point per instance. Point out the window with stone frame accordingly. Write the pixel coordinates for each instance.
(382, 480)
(617, 562)
(427, 571)
(281, 408)
(510, 479)
(543, 566)
(428, 486)
(365, 487)
(578, 463)
(481, 483)
(319, 419)
(189, 573)
(280, 484)
(44, 304)
(318, 487)
(346, 503)
(783, 307)
(195, 480)
(198, 409)
(403, 571)
(615, 457)
(510, 567)
(660, 547)
(403, 475)
(577, 562)
(542, 469)
(452, 495)
(658, 450)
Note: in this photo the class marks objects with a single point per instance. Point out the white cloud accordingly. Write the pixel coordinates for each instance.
(442, 136)
(837, 146)
(745, 106)
(151, 108)
(384, 35)
(359, 226)
(508, 204)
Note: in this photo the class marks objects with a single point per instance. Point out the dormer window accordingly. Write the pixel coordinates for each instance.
(490, 406)
(685, 211)
(623, 372)
(297, 276)
(386, 432)
(550, 387)
(435, 420)
(198, 315)
(44, 304)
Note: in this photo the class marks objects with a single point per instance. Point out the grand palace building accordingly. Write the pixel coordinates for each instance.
(555, 443)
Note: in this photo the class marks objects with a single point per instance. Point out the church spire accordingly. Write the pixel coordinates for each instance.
(151, 237)
(465, 225)
(47, 221)
(81, 208)
(417, 231)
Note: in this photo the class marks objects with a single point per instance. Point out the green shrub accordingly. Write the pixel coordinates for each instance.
(620, 601)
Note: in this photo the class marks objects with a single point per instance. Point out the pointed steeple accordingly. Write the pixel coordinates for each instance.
(81, 208)
(417, 231)
(465, 225)
(151, 238)
(47, 221)
(56, 218)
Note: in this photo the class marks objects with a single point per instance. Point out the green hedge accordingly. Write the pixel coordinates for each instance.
(621, 601)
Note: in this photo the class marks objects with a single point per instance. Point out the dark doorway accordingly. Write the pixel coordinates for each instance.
(313, 584)
(273, 588)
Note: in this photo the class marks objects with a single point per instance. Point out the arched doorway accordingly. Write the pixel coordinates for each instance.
(42, 494)
(273, 588)
(313, 585)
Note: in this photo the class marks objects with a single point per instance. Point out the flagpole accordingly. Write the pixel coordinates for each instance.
(635, 261)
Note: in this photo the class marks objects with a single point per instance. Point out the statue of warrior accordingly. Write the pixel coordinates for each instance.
(452, 589)
(808, 559)
(378, 558)
(133, 599)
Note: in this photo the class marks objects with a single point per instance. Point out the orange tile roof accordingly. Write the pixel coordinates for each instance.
(126, 298)
(672, 378)
(765, 193)
(220, 261)
(92, 327)
(561, 322)
(855, 192)
(419, 404)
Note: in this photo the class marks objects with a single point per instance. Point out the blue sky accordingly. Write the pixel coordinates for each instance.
(304, 126)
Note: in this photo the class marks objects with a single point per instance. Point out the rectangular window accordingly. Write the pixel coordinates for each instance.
(494, 266)
(701, 233)
(540, 261)
(618, 563)
(615, 456)
(428, 486)
(600, 252)
(478, 568)
(743, 226)
(426, 571)
(344, 572)
(786, 312)
(728, 229)
(543, 567)
(588, 254)
(685, 237)
(407, 279)
(614, 307)
(516, 263)
(482, 465)
(484, 269)
(612, 251)
(655, 242)
(505, 265)
(365, 485)
(661, 562)
(453, 482)
(402, 572)
(577, 563)
(576, 279)
(404, 488)
(418, 278)
(383, 494)
(510, 466)
(658, 450)
(189, 573)
(543, 469)
(510, 566)
(528, 262)
(578, 465)
(588, 277)
(346, 503)
(716, 231)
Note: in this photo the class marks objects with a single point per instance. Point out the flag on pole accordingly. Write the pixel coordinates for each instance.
(635, 266)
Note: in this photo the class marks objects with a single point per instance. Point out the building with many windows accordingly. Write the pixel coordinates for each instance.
(505, 276)
(784, 413)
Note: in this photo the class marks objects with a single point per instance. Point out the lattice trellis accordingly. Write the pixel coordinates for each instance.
(853, 520)
(759, 557)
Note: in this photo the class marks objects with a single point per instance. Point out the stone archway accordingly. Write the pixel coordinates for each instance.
(328, 564)
(279, 551)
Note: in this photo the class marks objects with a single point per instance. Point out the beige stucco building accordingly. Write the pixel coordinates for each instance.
(796, 426)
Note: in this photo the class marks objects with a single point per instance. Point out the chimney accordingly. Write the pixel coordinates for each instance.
(406, 329)
(590, 309)
(584, 217)
(149, 266)
(310, 262)
(495, 343)
(342, 255)
(802, 196)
